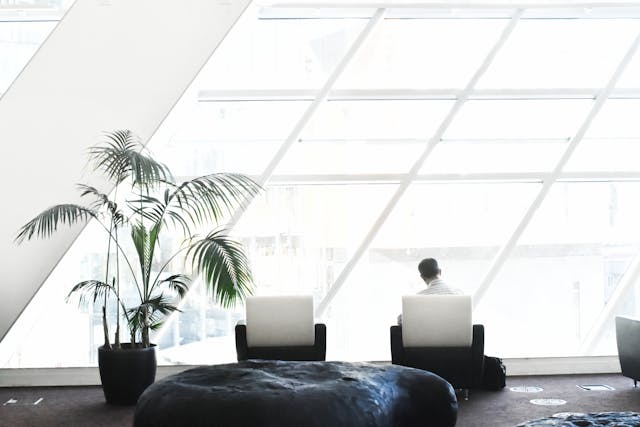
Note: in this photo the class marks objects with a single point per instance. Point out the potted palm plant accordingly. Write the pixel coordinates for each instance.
(156, 205)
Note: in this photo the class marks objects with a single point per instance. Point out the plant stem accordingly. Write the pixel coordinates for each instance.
(105, 324)
(117, 287)
(105, 328)
(117, 333)
(145, 329)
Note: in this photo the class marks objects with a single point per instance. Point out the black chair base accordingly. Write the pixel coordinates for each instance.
(316, 352)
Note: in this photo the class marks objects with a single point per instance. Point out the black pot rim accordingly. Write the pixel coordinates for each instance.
(126, 346)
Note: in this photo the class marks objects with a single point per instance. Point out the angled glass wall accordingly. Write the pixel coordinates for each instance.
(546, 246)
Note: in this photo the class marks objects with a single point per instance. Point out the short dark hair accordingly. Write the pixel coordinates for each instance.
(428, 267)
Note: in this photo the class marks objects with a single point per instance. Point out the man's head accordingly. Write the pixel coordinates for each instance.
(428, 269)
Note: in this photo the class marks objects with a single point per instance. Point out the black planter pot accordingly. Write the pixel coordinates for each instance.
(126, 373)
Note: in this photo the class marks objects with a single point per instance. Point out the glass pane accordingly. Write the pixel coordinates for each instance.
(605, 155)
(279, 54)
(507, 136)
(612, 142)
(630, 78)
(421, 53)
(560, 53)
(18, 42)
(465, 157)
(358, 137)
(567, 264)
(616, 119)
(216, 137)
(517, 119)
(30, 10)
(49, 321)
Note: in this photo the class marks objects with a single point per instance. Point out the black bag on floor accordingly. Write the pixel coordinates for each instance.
(495, 374)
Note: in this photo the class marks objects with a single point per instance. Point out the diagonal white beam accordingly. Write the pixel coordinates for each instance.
(431, 144)
(506, 250)
(629, 279)
(311, 109)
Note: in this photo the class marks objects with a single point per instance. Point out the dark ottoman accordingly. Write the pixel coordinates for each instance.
(269, 393)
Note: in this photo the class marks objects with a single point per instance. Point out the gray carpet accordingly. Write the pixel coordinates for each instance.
(84, 406)
(507, 408)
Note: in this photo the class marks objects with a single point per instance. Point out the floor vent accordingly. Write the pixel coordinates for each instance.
(526, 389)
(16, 402)
(596, 387)
(548, 402)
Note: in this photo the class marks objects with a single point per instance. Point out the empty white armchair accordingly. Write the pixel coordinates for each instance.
(281, 328)
(437, 335)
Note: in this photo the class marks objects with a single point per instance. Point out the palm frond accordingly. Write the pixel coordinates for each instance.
(224, 267)
(145, 240)
(102, 200)
(151, 311)
(178, 283)
(122, 156)
(210, 197)
(94, 288)
(148, 207)
(47, 222)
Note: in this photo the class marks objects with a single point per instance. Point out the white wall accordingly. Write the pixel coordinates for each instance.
(110, 64)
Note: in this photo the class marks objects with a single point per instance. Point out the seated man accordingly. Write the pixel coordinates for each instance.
(430, 272)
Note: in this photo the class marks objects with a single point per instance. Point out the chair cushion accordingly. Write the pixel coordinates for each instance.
(436, 321)
(279, 321)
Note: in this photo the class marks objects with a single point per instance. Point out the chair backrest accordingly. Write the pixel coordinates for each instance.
(628, 338)
(279, 321)
(437, 321)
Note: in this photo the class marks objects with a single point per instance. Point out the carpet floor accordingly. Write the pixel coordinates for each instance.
(84, 406)
(507, 408)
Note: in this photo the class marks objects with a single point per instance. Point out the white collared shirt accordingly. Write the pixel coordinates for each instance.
(439, 287)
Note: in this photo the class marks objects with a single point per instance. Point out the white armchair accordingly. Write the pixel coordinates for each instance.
(282, 328)
(437, 335)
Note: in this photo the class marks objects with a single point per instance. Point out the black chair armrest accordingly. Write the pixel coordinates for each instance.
(320, 343)
(242, 349)
(397, 349)
(477, 354)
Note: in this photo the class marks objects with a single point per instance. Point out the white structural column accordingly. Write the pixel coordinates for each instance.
(116, 64)
(629, 279)
(413, 172)
(507, 248)
(320, 97)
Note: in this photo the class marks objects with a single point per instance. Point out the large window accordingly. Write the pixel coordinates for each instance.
(525, 193)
